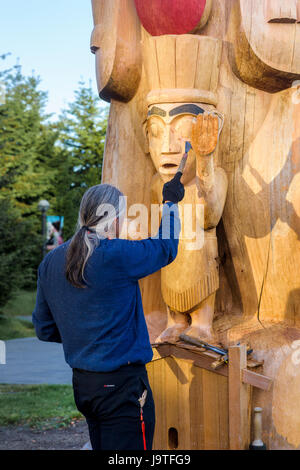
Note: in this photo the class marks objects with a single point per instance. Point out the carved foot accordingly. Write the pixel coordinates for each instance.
(203, 334)
(171, 334)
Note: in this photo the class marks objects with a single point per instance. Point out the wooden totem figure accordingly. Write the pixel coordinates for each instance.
(247, 67)
(179, 93)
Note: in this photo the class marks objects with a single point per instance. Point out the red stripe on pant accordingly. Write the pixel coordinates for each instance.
(143, 430)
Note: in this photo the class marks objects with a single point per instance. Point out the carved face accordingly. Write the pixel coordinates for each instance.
(168, 128)
(272, 29)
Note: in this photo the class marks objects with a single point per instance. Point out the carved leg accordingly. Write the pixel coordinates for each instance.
(177, 323)
(202, 319)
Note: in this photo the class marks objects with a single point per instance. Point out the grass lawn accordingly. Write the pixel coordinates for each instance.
(22, 303)
(38, 406)
(11, 328)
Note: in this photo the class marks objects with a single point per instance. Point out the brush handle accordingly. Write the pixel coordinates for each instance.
(182, 164)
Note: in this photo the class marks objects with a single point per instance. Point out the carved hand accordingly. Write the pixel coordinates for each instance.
(205, 134)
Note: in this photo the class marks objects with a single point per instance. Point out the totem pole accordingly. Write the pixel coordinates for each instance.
(189, 284)
(160, 63)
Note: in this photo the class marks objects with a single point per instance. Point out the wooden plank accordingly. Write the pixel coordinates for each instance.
(223, 413)
(150, 367)
(183, 404)
(197, 408)
(256, 380)
(207, 77)
(238, 399)
(165, 49)
(171, 384)
(186, 49)
(210, 411)
(202, 360)
(160, 352)
(150, 61)
(159, 395)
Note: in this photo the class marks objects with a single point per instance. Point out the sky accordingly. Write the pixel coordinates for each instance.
(51, 38)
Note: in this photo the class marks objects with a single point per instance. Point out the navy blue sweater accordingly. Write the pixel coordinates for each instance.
(102, 327)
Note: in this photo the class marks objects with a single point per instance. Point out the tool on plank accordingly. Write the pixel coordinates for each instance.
(222, 352)
(202, 344)
(224, 360)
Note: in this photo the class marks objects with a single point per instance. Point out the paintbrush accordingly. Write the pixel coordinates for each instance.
(181, 167)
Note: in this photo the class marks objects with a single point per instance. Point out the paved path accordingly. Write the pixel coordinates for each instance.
(30, 361)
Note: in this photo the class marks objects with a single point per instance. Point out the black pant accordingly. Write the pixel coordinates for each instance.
(109, 402)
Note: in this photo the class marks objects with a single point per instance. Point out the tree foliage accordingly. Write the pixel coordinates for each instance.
(18, 248)
(42, 159)
(26, 143)
(82, 137)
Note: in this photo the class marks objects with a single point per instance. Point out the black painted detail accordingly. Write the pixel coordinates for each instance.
(157, 111)
(187, 109)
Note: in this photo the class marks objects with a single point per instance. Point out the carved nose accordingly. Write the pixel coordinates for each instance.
(171, 142)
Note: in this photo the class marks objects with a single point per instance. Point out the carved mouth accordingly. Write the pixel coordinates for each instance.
(169, 165)
(168, 168)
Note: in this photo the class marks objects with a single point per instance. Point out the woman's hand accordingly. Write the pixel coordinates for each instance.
(173, 191)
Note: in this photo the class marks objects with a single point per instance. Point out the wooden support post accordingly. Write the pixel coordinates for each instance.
(238, 399)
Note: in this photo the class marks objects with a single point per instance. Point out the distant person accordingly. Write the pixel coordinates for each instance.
(56, 226)
(55, 236)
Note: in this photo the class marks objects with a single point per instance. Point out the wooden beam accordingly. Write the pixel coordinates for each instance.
(256, 380)
(202, 360)
(160, 351)
(238, 399)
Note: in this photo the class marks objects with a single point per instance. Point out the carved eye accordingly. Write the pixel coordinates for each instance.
(185, 128)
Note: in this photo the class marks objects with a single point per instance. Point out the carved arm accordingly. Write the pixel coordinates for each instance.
(211, 182)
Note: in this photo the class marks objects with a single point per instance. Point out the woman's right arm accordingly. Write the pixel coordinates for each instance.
(144, 257)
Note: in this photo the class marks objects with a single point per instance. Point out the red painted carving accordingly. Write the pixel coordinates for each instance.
(170, 16)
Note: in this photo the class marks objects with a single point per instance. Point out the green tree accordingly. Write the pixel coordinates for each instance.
(27, 174)
(27, 143)
(17, 250)
(40, 159)
(83, 128)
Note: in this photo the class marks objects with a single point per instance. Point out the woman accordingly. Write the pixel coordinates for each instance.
(89, 300)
